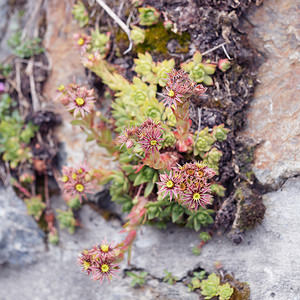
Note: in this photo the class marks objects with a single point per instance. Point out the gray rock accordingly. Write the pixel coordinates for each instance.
(20, 238)
(273, 116)
(268, 259)
(57, 275)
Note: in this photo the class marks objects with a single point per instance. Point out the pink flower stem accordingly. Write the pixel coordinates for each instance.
(22, 189)
(182, 124)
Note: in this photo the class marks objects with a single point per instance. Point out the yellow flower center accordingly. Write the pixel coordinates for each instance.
(104, 268)
(86, 265)
(196, 196)
(79, 187)
(74, 176)
(171, 93)
(65, 178)
(61, 88)
(104, 248)
(79, 101)
(91, 57)
(153, 142)
(80, 171)
(80, 41)
(200, 173)
(170, 184)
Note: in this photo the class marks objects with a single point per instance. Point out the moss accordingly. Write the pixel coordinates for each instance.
(157, 38)
(251, 208)
(241, 289)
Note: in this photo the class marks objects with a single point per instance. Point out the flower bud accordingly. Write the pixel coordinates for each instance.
(224, 64)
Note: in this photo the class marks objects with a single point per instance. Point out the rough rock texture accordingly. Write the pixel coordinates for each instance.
(9, 23)
(20, 238)
(57, 275)
(59, 44)
(267, 259)
(274, 113)
(66, 68)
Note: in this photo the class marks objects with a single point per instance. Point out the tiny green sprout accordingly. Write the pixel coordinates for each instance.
(204, 236)
(218, 189)
(66, 220)
(137, 35)
(220, 133)
(35, 206)
(194, 284)
(99, 42)
(5, 69)
(200, 275)
(138, 279)
(169, 278)
(196, 251)
(80, 14)
(53, 238)
(199, 71)
(25, 48)
(148, 16)
(74, 203)
(224, 64)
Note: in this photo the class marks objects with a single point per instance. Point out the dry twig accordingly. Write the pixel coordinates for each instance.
(123, 26)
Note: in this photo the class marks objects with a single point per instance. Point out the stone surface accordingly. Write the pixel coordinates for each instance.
(59, 43)
(274, 113)
(67, 68)
(57, 276)
(9, 23)
(20, 238)
(267, 259)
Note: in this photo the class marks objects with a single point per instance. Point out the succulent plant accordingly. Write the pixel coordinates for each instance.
(35, 206)
(224, 64)
(66, 220)
(80, 14)
(211, 287)
(198, 70)
(137, 35)
(148, 16)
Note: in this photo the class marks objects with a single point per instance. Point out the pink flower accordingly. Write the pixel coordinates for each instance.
(105, 251)
(150, 139)
(127, 137)
(179, 87)
(197, 195)
(103, 270)
(77, 181)
(83, 42)
(85, 260)
(169, 185)
(82, 101)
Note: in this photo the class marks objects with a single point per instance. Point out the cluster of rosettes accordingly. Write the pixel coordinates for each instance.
(77, 181)
(93, 47)
(148, 135)
(188, 185)
(100, 261)
(77, 99)
(179, 88)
